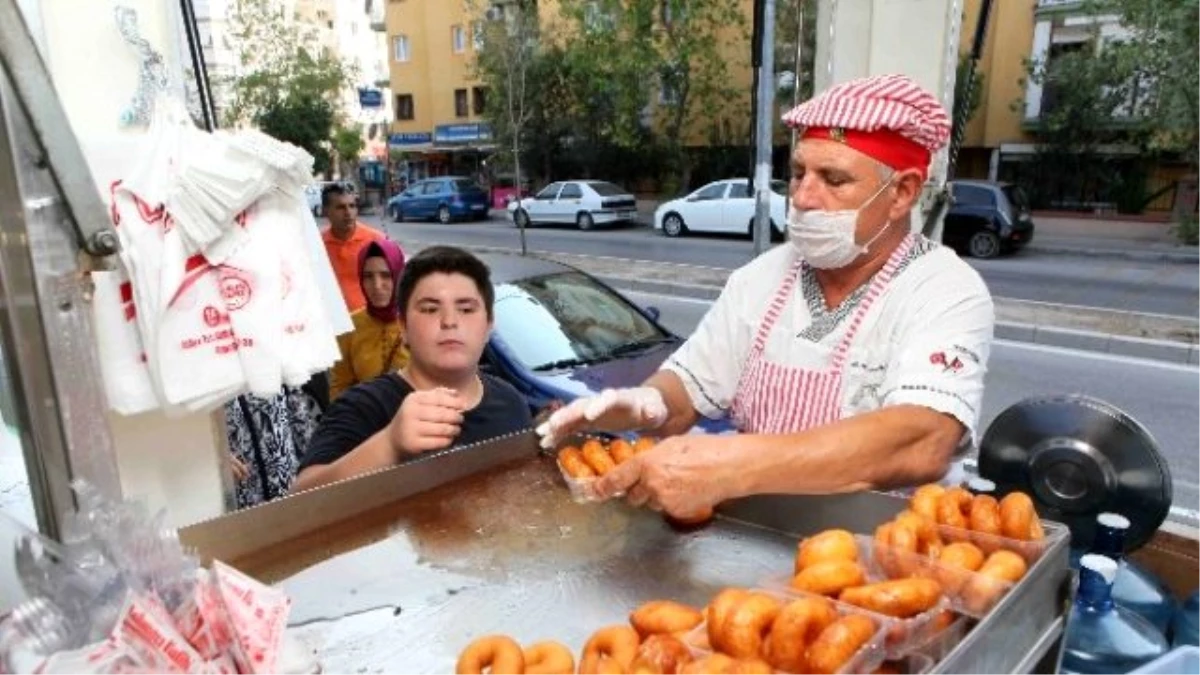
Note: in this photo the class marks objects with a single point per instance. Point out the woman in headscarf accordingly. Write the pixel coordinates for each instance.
(376, 346)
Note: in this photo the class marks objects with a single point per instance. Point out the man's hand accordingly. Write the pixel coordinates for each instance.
(239, 469)
(427, 420)
(613, 410)
(685, 476)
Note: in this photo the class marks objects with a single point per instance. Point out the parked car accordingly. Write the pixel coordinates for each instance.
(987, 218)
(586, 203)
(446, 198)
(312, 194)
(723, 206)
(561, 333)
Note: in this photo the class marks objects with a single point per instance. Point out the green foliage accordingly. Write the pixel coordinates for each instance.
(1162, 49)
(284, 82)
(1188, 230)
(796, 21)
(347, 144)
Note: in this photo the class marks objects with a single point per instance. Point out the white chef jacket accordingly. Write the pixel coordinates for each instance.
(925, 341)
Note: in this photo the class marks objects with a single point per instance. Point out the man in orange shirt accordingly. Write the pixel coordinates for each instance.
(344, 238)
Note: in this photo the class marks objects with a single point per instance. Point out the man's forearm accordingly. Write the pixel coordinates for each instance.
(895, 446)
(374, 453)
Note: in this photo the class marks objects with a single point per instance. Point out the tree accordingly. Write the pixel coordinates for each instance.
(347, 145)
(692, 46)
(968, 89)
(796, 22)
(1161, 48)
(1084, 105)
(508, 61)
(283, 82)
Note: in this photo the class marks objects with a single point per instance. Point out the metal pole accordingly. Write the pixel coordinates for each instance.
(787, 203)
(764, 125)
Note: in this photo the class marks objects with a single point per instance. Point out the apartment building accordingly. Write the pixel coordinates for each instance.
(438, 103)
(439, 126)
(1000, 141)
(362, 43)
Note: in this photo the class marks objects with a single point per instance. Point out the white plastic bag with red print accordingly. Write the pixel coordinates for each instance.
(123, 363)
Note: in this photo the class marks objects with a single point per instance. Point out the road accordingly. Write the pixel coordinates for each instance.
(1163, 397)
(1154, 287)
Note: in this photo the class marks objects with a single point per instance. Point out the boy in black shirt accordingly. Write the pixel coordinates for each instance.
(440, 399)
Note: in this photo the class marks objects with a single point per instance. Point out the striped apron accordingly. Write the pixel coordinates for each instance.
(778, 398)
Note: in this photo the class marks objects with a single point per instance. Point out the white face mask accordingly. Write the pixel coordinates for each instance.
(825, 239)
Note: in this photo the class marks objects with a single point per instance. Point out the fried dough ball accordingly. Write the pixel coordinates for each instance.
(747, 625)
(902, 598)
(839, 642)
(830, 577)
(799, 623)
(548, 658)
(612, 646)
(1018, 518)
(925, 500)
(620, 450)
(954, 508)
(491, 653)
(999, 570)
(597, 457)
(664, 616)
(825, 546)
(571, 460)
(661, 654)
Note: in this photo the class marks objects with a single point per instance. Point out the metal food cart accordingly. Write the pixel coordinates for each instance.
(400, 569)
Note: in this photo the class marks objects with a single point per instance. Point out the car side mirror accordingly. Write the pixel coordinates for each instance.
(653, 312)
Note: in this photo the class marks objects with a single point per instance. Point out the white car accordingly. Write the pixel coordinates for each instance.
(586, 203)
(721, 206)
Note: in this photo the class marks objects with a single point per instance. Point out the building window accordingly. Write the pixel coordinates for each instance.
(477, 34)
(404, 107)
(460, 102)
(458, 39)
(479, 100)
(400, 51)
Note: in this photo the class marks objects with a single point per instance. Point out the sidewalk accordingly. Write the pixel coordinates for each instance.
(1060, 234)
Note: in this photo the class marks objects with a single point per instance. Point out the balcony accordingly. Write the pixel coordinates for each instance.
(1058, 6)
(377, 15)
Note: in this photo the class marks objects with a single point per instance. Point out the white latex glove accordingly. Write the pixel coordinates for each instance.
(633, 408)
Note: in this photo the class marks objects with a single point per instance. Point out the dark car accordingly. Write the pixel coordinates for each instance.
(561, 333)
(446, 198)
(987, 218)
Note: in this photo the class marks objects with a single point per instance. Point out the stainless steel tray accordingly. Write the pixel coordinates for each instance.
(404, 587)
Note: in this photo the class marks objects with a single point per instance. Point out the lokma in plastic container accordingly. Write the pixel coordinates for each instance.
(866, 659)
(1031, 551)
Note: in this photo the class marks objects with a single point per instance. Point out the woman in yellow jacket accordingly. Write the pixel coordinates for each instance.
(376, 346)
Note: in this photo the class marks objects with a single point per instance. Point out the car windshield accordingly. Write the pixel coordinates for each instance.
(567, 318)
(606, 189)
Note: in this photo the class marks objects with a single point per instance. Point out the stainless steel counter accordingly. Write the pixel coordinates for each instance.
(405, 587)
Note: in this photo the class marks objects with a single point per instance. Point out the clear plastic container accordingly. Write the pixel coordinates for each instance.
(1103, 637)
(580, 488)
(1031, 551)
(903, 635)
(913, 664)
(966, 592)
(865, 660)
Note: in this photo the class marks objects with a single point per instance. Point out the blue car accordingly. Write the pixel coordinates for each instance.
(561, 333)
(446, 199)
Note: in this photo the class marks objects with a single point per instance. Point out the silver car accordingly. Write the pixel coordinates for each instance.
(586, 203)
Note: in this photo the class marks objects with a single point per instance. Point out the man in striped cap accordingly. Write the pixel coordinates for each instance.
(851, 358)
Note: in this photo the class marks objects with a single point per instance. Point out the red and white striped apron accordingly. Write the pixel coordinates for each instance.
(778, 398)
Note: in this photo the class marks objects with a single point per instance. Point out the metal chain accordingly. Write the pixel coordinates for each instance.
(152, 72)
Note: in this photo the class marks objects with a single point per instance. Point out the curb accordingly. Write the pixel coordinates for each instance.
(1105, 343)
(1167, 351)
(1177, 257)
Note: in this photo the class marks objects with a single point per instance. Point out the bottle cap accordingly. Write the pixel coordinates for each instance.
(1102, 565)
(1113, 520)
(981, 485)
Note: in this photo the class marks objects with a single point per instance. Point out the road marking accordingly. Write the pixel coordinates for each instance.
(1102, 356)
(1091, 308)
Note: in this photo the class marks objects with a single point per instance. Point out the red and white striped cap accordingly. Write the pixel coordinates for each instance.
(888, 117)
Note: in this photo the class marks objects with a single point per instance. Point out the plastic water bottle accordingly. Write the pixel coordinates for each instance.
(980, 486)
(1136, 588)
(1103, 637)
(1185, 630)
